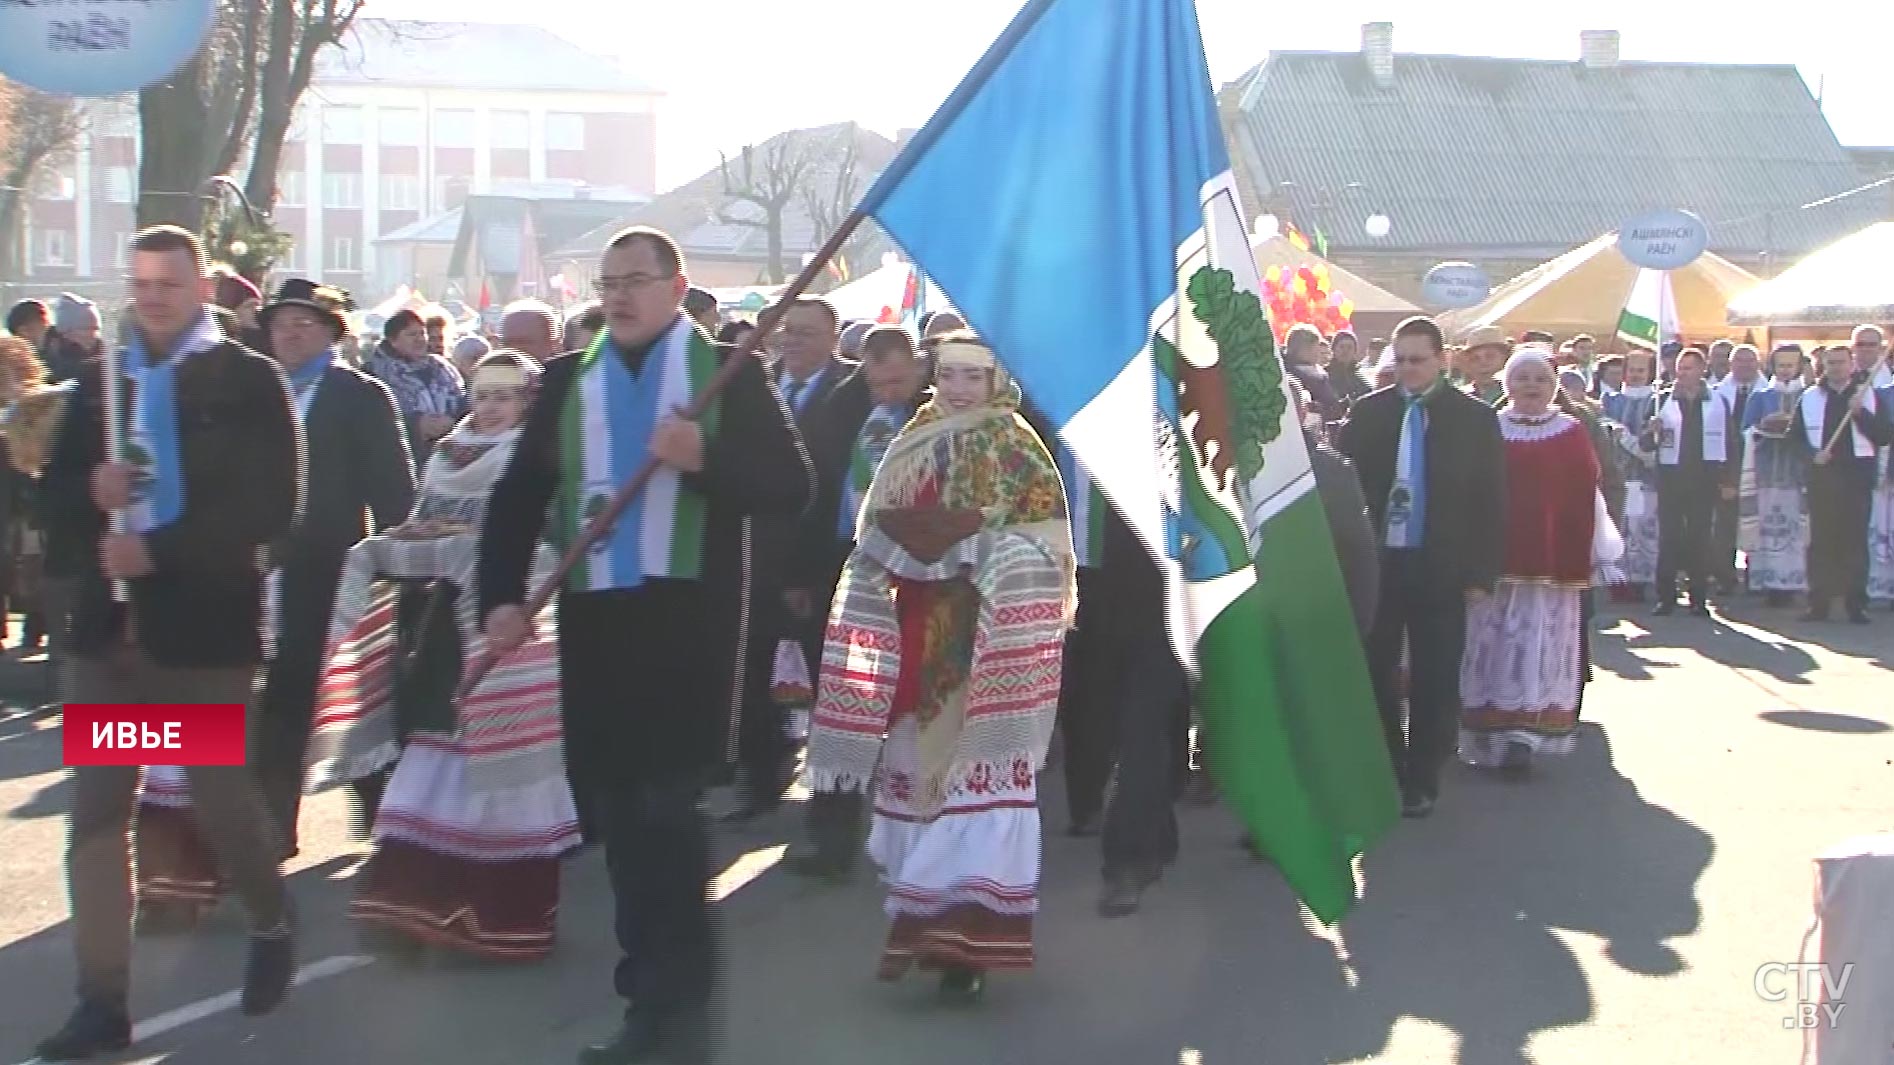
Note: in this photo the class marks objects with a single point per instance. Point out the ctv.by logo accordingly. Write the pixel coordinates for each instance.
(1815, 986)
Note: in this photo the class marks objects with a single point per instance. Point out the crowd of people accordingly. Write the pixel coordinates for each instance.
(863, 559)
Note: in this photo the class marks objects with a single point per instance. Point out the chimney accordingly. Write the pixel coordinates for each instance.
(1377, 47)
(1598, 49)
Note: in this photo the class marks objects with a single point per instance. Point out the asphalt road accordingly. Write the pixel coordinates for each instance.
(1614, 909)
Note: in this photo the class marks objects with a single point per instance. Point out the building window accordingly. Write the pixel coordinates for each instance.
(289, 188)
(55, 247)
(56, 185)
(341, 190)
(512, 130)
(565, 132)
(114, 118)
(121, 250)
(449, 192)
(400, 192)
(118, 184)
(453, 129)
(400, 127)
(341, 125)
(342, 255)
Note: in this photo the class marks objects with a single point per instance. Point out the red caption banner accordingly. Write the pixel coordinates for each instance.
(154, 734)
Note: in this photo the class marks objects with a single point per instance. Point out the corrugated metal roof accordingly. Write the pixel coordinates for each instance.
(1534, 155)
(470, 55)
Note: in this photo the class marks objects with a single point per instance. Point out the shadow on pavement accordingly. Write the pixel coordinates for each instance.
(1820, 721)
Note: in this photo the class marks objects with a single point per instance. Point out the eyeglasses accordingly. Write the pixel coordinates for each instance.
(628, 282)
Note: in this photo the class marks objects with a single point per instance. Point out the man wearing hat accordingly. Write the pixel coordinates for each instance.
(358, 472)
(1486, 351)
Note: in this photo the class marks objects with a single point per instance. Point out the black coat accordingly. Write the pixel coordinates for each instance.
(1465, 538)
(358, 467)
(806, 545)
(1350, 529)
(242, 456)
(649, 674)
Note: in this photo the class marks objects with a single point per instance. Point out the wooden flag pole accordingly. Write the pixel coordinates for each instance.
(596, 529)
(1859, 401)
(109, 384)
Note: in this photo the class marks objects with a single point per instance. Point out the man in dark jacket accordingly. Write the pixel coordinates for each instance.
(215, 475)
(358, 470)
(1432, 467)
(650, 633)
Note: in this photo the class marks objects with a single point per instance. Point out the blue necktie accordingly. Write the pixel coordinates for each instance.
(1414, 438)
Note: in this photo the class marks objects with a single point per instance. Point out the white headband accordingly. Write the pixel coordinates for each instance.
(965, 353)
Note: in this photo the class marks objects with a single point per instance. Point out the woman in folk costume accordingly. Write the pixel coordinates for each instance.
(1773, 520)
(1630, 408)
(1523, 667)
(469, 832)
(946, 636)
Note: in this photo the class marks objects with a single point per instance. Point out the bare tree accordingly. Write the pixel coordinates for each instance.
(772, 184)
(299, 31)
(39, 128)
(832, 188)
(238, 94)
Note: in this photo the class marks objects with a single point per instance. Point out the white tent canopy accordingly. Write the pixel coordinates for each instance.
(1847, 283)
(881, 289)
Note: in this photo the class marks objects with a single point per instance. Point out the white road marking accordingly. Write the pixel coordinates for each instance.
(197, 1011)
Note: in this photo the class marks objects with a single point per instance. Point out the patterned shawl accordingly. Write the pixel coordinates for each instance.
(509, 729)
(427, 385)
(997, 605)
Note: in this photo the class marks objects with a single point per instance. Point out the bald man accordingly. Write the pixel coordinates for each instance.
(532, 327)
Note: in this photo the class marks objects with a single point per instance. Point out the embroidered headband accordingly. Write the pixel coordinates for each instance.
(965, 353)
(503, 375)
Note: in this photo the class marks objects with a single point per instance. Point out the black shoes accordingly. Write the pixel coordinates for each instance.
(1516, 763)
(1415, 807)
(1124, 892)
(961, 986)
(1859, 617)
(678, 1039)
(270, 969)
(1699, 608)
(820, 863)
(1083, 827)
(94, 1028)
(1664, 608)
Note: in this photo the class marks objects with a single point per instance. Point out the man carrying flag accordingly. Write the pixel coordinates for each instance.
(1101, 116)
(649, 636)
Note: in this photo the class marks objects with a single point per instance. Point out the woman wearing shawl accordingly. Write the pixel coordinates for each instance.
(477, 812)
(429, 392)
(1523, 667)
(1630, 408)
(946, 636)
(1773, 520)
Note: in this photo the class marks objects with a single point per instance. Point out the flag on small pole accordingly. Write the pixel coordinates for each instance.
(1650, 311)
(1083, 155)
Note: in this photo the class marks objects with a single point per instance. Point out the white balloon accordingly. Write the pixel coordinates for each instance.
(1378, 225)
(889, 258)
(1267, 225)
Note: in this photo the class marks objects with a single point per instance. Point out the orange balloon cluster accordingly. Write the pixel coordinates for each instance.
(1304, 296)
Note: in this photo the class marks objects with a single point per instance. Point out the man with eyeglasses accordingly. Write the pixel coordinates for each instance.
(211, 472)
(1432, 467)
(651, 636)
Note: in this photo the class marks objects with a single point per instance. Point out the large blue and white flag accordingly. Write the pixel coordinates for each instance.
(1074, 200)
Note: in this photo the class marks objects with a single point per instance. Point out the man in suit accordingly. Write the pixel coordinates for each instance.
(1433, 469)
(358, 473)
(1839, 422)
(1743, 381)
(650, 624)
(214, 477)
(796, 558)
(1691, 434)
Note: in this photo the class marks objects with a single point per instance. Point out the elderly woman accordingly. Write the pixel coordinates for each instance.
(1524, 662)
(946, 637)
(429, 393)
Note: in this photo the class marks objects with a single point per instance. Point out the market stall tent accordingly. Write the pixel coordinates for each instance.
(879, 295)
(1842, 285)
(1584, 290)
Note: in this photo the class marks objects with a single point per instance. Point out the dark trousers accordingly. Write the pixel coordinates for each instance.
(58, 595)
(1152, 691)
(1841, 495)
(761, 747)
(658, 855)
(1686, 499)
(306, 598)
(224, 799)
(1430, 616)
